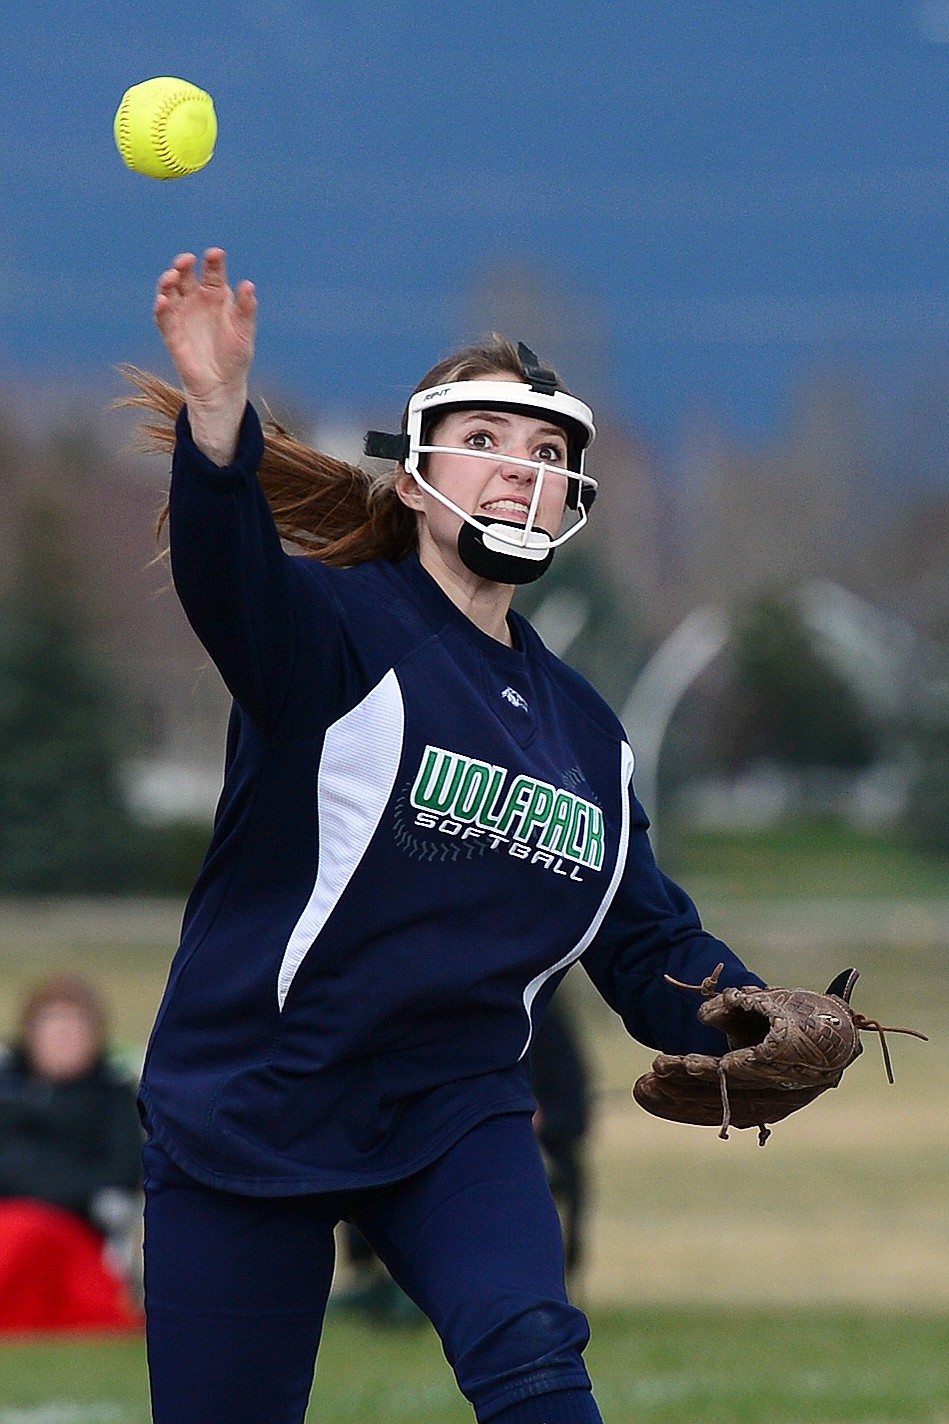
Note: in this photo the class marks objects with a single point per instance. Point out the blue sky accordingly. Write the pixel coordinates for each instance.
(712, 198)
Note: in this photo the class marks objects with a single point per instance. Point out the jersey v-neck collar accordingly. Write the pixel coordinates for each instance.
(441, 608)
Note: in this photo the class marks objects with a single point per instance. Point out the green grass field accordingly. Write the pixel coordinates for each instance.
(815, 856)
(806, 1281)
(664, 1366)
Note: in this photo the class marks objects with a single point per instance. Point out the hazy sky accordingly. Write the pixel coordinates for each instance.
(718, 194)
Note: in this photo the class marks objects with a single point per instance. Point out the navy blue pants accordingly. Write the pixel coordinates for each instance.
(236, 1286)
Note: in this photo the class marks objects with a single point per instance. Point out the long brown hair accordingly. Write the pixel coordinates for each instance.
(332, 511)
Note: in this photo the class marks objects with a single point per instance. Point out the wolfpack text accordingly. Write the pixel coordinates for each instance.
(535, 820)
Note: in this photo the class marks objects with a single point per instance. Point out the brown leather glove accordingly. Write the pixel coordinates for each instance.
(785, 1048)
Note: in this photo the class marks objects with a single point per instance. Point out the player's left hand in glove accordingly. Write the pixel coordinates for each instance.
(785, 1048)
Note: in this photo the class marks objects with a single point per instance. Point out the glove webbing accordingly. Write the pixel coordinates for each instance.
(708, 988)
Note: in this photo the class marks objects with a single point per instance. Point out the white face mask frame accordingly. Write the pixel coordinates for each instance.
(566, 412)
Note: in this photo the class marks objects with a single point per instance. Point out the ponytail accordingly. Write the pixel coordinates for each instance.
(330, 510)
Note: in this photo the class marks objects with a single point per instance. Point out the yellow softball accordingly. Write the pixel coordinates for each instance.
(165, 128)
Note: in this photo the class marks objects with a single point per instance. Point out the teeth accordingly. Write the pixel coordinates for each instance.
(509, 505)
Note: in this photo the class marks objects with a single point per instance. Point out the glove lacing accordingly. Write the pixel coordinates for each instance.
(709, 987)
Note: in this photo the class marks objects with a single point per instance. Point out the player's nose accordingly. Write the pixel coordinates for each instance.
(513, 469)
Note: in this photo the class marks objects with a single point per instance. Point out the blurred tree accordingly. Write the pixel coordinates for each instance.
(927, 810)
(64, 826)
(604, 642)
(795, 507)
(790, 704)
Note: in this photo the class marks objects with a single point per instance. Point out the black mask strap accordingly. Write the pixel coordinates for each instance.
(538, 377)
(387, 447)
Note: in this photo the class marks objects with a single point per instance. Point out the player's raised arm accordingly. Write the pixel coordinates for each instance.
(229, 570)
(209, 331)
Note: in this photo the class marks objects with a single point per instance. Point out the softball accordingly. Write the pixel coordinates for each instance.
(165, 128)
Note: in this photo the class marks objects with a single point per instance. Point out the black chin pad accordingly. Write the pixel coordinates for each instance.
(499, 568)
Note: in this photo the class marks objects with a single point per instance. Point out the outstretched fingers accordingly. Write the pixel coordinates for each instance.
(245, 302)
(186, 265)
(182, 277)
(187, 280)
(214, 268)
(209, 329)
(174, 284)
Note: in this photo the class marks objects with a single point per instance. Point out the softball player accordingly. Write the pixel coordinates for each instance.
(425, 819)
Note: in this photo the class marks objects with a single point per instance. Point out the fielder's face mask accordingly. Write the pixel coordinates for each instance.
(500, 549)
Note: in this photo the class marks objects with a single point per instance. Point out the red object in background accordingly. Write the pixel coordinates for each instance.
(54, 1275)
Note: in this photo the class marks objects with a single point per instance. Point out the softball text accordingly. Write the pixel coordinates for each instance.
(523, 809)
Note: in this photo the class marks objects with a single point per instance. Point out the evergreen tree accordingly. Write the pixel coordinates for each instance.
(64, 826)
(792, 706)
(606, 648)
(927, 813)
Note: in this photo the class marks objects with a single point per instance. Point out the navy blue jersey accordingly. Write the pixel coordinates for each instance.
(420, 829)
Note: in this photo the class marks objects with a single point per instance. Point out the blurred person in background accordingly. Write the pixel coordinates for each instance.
(70, 1168)
(560, 1078)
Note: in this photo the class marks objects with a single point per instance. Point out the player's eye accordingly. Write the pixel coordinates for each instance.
(479, 440)
(552, 454)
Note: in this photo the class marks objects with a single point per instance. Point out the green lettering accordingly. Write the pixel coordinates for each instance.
(472, 791)
(492, 796)
(429, 793)
(537, 810)
(575, 838)
(593, 850)
(555, 832)
(517, 798)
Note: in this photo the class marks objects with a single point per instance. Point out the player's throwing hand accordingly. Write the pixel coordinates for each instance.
(209, 331)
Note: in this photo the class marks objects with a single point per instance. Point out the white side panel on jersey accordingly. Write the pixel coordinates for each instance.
(536, 984)
(357, 771)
